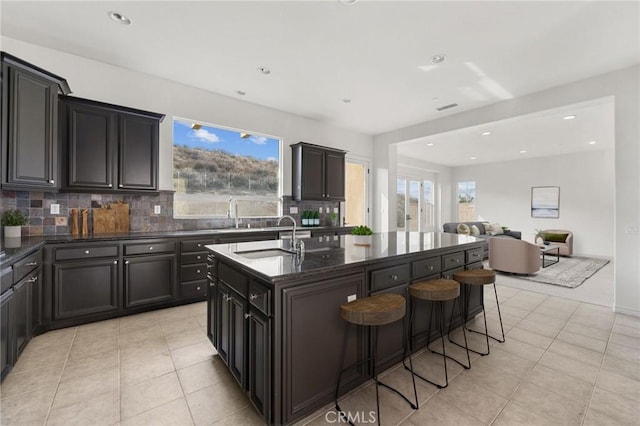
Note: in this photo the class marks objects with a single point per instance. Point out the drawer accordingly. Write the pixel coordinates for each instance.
(26, 265)
(389, 277)
(212, 266)
(194, 289)
(6, 278)
(196, 245)
(260, 297)
(453, 260)
(233, 279)
(150, 247)
(424, 267)
(193, 272)
(474, 255)
(189, 258)
(86, 252)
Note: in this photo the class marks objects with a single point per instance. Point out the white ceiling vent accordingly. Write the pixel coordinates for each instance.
(442, 108)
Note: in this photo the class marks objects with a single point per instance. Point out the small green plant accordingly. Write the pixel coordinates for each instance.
(333, 216)
(13, 218)
(539, 233)
(361, 230)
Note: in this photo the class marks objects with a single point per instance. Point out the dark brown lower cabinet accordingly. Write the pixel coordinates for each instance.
(150, 279)
(84, 288)
(232, 331)
(390, 336)
(259, 381)
(22, 312)
(35, 281)
(6, 333)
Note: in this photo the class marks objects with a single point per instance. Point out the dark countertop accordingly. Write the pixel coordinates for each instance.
(12, 250)
(337, 253)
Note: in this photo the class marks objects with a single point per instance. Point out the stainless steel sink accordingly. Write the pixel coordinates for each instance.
(259, 254)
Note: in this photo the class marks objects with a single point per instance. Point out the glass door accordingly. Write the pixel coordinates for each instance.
(416, 208)
(356, 202)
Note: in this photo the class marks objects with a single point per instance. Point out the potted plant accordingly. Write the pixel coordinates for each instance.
(539, 238)
(333, 218)
(13, 220)
(362, 235)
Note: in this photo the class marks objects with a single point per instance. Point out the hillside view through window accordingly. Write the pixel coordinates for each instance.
(220, 172)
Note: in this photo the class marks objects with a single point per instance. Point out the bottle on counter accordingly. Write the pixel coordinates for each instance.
(305, 218)
(316, 218)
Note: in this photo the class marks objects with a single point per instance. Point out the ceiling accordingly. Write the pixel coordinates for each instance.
(377, 54)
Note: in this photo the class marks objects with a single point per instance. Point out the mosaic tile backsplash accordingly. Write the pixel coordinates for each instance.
(37, 205)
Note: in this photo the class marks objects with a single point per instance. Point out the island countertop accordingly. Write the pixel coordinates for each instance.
(322, 255)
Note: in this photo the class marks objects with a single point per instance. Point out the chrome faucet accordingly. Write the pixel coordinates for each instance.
(296, 245)
(233, 206)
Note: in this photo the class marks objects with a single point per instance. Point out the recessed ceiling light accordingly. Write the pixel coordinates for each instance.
(119, 18)
(430, 144)
(264, 70)
(438, 59)
(473, 158)
(435, 99)
(523, 152)
(241, 93)
(486, 133)
(348, 2)
(592, 142)
(568, 117)
(346, 100)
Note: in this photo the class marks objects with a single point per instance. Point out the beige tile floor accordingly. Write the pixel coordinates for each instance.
(564, 362)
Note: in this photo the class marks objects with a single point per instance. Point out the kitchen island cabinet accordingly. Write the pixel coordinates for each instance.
(266, 307)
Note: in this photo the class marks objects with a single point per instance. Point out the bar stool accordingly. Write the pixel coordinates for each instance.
(374, 311)
(475, 277)
(437, 292)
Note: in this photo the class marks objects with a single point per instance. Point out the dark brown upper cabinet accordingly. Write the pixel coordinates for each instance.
(29, 125)
(108, 148)
(318, 173)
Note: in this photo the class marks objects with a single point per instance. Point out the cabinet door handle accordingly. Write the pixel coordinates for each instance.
(253, 296)
(32, 279)
(197, 271)
(198, 257)
(86, 252)
(32, 264)
(227, 298)
(394, 277)
(150, 247)
(51, 181)
(115, 262)
(126, 262)
(110, 185)
(247, 316)
(199, 245)
(431, 267)
(212, 284)
(120, 186)
(198, 288)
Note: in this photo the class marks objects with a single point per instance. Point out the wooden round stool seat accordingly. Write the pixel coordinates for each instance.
(475, 277)
(435, 290)
(374, 310)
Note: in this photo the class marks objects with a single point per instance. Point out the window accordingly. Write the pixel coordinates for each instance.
(415, 209)
(466, 201)
(219, 172)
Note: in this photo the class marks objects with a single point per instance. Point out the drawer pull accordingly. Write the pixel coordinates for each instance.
(110, 185)
(115, 262)
(227, 298)
(121, 186)
(51, 181)
(212, 284)
(394, 277)
(86, 252)
(197, 271)
(126, 262)
(247, 316)
(198, 257)
(431, 267)
(32, 264)
(33, 279)
(198, 288)
(199, 245)
(150, 247)
(253, 296)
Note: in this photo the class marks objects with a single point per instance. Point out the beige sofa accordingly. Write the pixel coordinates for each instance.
(515, 256)
(566, 247)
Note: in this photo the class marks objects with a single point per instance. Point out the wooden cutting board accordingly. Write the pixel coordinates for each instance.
(111, 219)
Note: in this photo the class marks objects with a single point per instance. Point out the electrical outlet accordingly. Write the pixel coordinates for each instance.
(632, 229)
(351, 297)
(335, 210)
(320, 210)
(293, 210)
(157, 209)
(55, 208)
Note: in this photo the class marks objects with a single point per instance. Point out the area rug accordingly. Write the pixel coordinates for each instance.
(569, 272)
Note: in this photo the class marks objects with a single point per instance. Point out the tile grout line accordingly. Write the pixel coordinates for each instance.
(64, 366)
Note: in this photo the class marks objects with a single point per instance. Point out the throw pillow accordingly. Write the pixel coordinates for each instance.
(495, 229)
(475, 231)
(553, 237)
(463, 229)
(486, 226)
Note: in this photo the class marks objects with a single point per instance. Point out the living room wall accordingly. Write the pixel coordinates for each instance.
(586, 181)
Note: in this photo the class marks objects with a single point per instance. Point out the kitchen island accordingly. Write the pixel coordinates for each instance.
(274, 317)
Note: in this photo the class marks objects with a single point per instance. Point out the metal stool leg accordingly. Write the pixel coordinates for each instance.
(465, 316)
(342, 370)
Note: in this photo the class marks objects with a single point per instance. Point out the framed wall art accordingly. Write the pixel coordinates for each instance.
(545, 202)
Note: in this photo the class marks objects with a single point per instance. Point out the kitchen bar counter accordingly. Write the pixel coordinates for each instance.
(274, 317)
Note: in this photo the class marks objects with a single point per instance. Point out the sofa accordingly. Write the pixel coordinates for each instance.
(452, 228)
(515, 256)
(561, 238)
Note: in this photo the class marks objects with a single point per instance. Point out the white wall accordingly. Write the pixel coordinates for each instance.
(624, 86)
(106, 83)
(586, 181)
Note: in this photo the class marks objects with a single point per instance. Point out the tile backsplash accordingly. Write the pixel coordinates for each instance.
(37, 205)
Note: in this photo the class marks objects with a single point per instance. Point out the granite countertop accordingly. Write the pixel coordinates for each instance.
(12, 250)
(338, 252)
